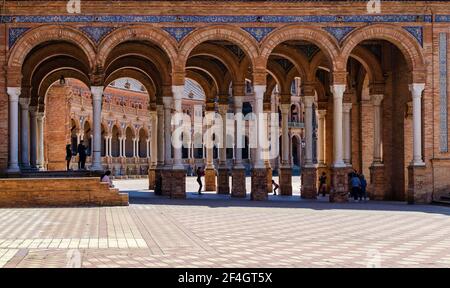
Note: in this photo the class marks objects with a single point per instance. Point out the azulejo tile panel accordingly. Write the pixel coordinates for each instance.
(339, 32)
(14, 34)
(178, 32)
(96, 33)
(258, 32)
(417, 32)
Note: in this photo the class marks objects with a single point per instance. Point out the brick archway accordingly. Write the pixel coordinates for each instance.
(404, 41)
(138, 32)
(317, 36)
(219, 32)
(40, 35)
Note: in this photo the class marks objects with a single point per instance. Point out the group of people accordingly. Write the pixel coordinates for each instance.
(358, 185)
(82, 154)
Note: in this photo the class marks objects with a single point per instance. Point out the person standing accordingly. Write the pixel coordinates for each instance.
(81, 156)
(363, 187)
(355, 183)
(68, 156)
(323, 184)
(200, 173)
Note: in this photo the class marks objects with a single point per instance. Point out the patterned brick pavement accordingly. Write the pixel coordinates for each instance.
(215, 232)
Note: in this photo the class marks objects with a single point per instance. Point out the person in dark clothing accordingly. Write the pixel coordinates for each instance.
(81, 156)
(323, 184)
(355, 183)
(363, 191)
(200, 173)
(68, 156)
(275, 187)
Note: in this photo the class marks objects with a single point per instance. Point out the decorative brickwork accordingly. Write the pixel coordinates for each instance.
(419, 185)
(151, 178)
(309, 183)
(285, 181)
(223, 181)
(178, 184)
(210, 179)
(339, 185)
(377, 190)
(259, 186)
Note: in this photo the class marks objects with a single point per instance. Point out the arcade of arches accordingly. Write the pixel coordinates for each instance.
(369, 99)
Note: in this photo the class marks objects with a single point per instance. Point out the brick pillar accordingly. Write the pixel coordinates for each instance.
(339, 185)
(178, 179)
(238, 183)
(377, 191)
(259, 185)
(320, 170)
(167, 181)
(269, 177)
(419, 186)
(223, 181)
(309, 183)
(285, 181)
(210, 179)
(158, 180)
(151, 178)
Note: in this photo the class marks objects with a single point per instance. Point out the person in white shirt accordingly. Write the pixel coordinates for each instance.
(105, 178)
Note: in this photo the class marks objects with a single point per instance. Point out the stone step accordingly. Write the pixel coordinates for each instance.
(54, 174)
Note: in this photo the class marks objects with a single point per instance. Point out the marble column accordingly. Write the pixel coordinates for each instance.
(210, 172)
(33, 137)
(238, 185)
(285, 175)
(222, 171)
(322, 137)
(13, 93)
(97, 95)
(167, 132)
(178, 173)
(346, 118)
(159, 135)
(25, 129)
(416, 91)
(40, 140)
(259, 185)
(339, 183)
(309, 171)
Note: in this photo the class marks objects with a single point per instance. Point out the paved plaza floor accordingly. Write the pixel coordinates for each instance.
(223, 232)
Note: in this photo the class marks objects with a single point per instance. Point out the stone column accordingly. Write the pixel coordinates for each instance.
(147, 146)
(223, 181)
(322, 137)
(259, 185)
(24, 135)
(13, 165)
(159, 139)
(417, 172)
(97, 95)
(210, 172)
(346, 122)
(110, 146)
(238, 174)
(178, 173)
(416, 91)
(285, 174)
(309, 171)
(120, 146)
(377, 168)
(40, 140)
(339, 189)
(166, 173)
(135, 142)
(33, 137)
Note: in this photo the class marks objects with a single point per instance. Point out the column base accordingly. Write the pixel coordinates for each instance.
(151, 178)
(269, 179)
(285, 181)
(13, 168)
(259, 185)
(309, 183)
(377, 191)
(238, 189)
(178, 179)
(158, 180)
(419, 185)
(210, 179)
(223, 181)
(339, 185)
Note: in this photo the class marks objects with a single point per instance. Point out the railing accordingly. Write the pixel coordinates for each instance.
(296, 125)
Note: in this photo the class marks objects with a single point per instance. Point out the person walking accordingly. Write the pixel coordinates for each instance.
(275, 187)
(200, 173)
(81, 156)
(363, 187)
(68, 156)
(323, 184)
(355, 183)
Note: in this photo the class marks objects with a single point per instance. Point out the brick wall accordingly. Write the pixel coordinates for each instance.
(4, 136)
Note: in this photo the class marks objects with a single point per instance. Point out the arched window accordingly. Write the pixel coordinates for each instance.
(142, 143)
(129, 142)
(115, 152)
